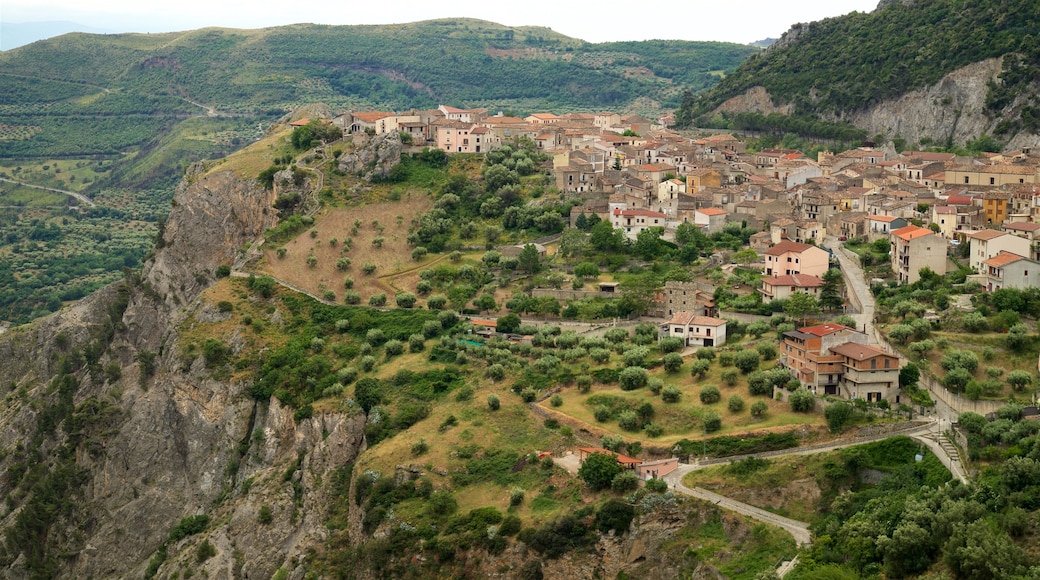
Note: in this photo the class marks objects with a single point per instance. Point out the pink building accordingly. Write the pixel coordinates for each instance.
(787, 258)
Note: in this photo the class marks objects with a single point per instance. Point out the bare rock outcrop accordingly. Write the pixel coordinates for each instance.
(375, 158)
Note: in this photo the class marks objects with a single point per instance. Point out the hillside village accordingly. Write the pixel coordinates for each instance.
(638, 174)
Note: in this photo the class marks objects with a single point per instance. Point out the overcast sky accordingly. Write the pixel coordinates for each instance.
(741, 21)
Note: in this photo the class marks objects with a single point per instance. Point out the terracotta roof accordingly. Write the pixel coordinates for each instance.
(372, 116)
(1022, 226)
(986, 235)
(639, 212)
(788, 246)
(795, 280)
(1003, 259)
(911, 233)
(944, 209)
(882, 218)
(824, 329)
(859, 351)
(688, 318)
(622, 459)
(958, 200)
(448, 109)
(484, 322)
(712, 211)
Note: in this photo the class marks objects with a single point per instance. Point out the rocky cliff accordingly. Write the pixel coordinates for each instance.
(112, 434)
(952, 109)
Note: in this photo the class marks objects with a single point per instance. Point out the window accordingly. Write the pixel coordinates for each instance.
(965, 179)
(992, 180)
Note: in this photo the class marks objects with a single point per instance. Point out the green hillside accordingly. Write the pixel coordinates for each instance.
(110, 95)
(851, 62)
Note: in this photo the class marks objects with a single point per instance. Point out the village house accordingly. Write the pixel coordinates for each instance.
(687, 297)
(782, 287)
(867, 373)
(914, 248)
(1029, 231)
(788, 257)
(1007, 270)
(880, 226)
(633, 221)
(696, 330)
(710, 219)
(806, 353)
(995, 175)
(986, 244)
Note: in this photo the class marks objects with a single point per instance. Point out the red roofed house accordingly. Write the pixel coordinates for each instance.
(1029, 231)
(697, 330)
(831, 359)
(1007, 270)
(633, 221)
(867, 373)
(789, 257)
(986, 244)
(805, 353)
(710, 219)
(914, 248)
(782, 287)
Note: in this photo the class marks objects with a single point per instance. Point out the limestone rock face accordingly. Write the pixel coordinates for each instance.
(953, 108)
(177, 442)
(375, 158)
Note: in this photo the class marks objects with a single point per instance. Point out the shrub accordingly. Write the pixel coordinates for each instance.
(767, 350)
(656, 485)
(653, 430)
(494, 402)
(629, 421)
(710, 395)
(528, 395)
(420, 447)
(368, 268)
(759, 409)
(706, 353)
(655, 385)
(672, 362)
(1019, 379)
(635, 356)
(802, 400)
(556, 400)
(633, 378)
(377, 300)
(671, 394)
(264, 516)
(671, 344)
(625, 481)
(375, 336)
(393, 348)
(699, 368)
(711, 421)
(735, 404)
(419, 253)
(611, 442)
(584, 383)
(746, 360)
(838, 415)
(726, 359)
(343, 264)
(496, 372)
(436, 302)
(963, 359)
(602, 414)
(352, 297)
(404, 299)
(416, 343)
(516, 496)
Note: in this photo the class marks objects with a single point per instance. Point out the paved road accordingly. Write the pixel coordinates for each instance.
(73, 194)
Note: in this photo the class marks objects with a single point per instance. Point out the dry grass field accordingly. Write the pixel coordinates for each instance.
(395, 269)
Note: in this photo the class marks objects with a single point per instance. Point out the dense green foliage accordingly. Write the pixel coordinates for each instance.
(851, 62)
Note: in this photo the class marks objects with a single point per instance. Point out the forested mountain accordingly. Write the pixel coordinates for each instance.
(83, 94)
(838, 67)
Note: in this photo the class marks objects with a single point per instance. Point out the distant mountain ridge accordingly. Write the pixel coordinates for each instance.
(89, 95)
(846, 68)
